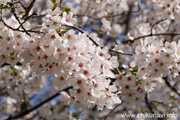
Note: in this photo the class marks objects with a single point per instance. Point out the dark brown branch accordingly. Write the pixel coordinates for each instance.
(150, 35)
(37, 106)
(22, 4)
(13, 3)
(77, 28)
(60, 3)
(39, 16)
(148, 104)
(34, 13)
(112, 16)
(162, 103)
(156, 24)
(109, 16)
(176, 84)
(120, 52)
(170, 86)
(17, 18)
(128, 19)
(28, 9)
(105, 118)
(15, 29)
(7, 64)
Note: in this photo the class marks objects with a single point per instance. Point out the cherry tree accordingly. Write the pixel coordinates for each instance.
(89, 59)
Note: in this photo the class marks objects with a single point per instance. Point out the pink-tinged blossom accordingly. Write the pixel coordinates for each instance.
(68, 19)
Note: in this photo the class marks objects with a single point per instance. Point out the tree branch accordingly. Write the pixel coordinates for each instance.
(156, 24)
(148, 104)
(17, 18)
(79, 29)
(128, 19)
(111, 16)
(162, 103)
(16, 29)
(150, 35)
(171, 87)
(28, 9)
(105, 118)
(37, 106)
(60, 3)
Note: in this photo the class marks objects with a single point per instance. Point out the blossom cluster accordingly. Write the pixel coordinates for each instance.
(170, 8)
(82, 65)
(136, 73)
(73, 60)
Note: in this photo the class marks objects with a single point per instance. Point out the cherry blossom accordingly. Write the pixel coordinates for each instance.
(101, 57)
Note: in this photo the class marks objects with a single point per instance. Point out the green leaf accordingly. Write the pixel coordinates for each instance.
(107, 78)
(99, 30)
(21, 12)
(138, 82)
(53, 1)
(13, 68)
(11, 54)
(75, 115)
(114, 40)
(55, 4)
(64, 31)
(143, 110)
(3, 93)
(135, 69)
(115, 71)
(12, 74)
(1, 37)
(7, 7)
(59, 29)
(54, 7)
(66, 9)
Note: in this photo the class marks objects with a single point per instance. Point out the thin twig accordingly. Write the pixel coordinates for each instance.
(34, 13)
(170, 86)
(111, 16)
(130, 41)
(105, 118)
(22, 5)
(156, 24)
(79, 29)
(161, 103)
(17, 18)
(148, 104)
(37, 106)
(28, 9)
(16, 29)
